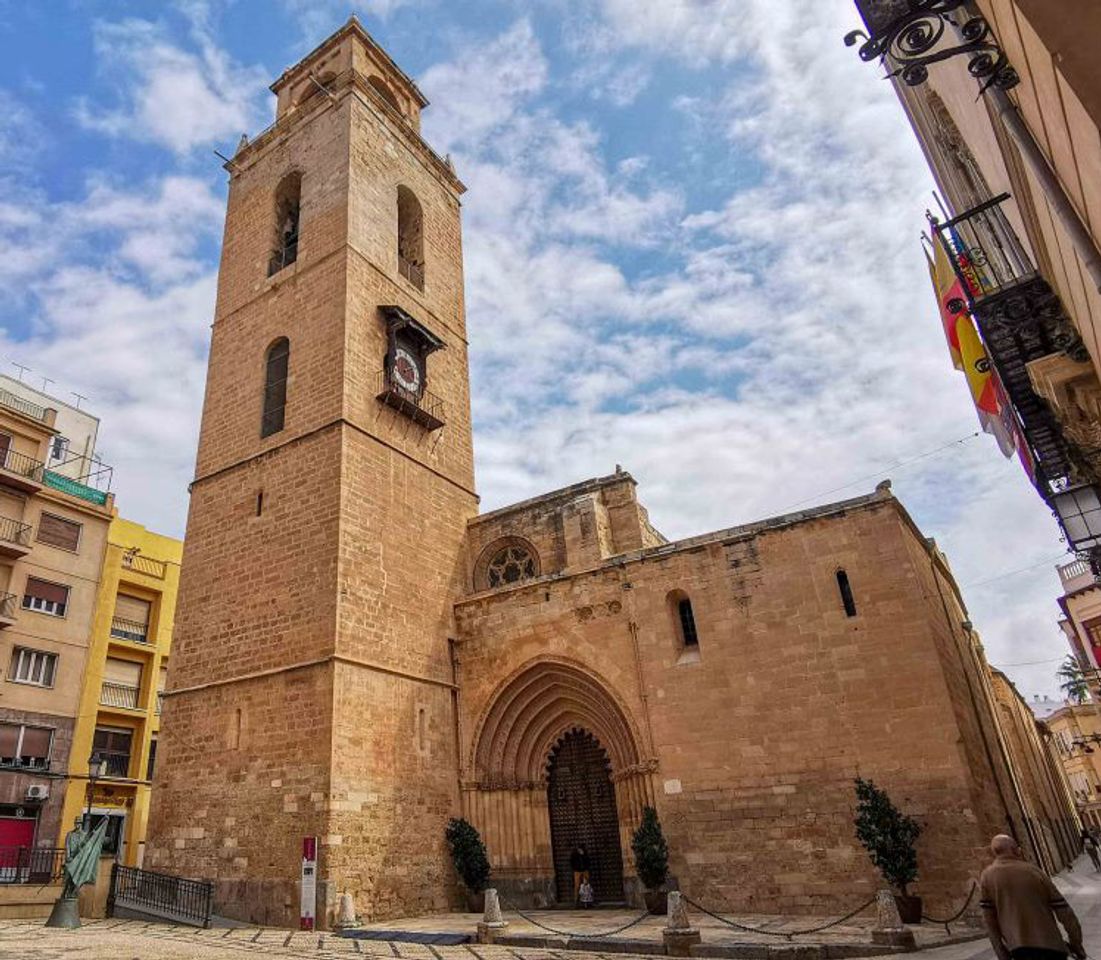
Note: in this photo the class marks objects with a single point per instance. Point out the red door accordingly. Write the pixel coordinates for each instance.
(16, 831)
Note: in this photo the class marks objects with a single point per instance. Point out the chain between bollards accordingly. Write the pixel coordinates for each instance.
(786, 934)
(580, 934)
(959, 913)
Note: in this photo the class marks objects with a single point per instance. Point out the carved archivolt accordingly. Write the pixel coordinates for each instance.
(535, 709)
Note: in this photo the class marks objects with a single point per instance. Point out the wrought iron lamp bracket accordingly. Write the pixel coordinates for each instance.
(910, 40)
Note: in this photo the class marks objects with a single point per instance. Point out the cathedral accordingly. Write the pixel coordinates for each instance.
(360, 655)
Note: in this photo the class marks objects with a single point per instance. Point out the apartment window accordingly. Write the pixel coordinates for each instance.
(33, 666)
(121, 683)
(113, 838)
(846, 591)
(151, 766)
(59, 532)
(131, 619)
(276, 370)
(22, 746)
(112, 745)
(45, 597)
(59, 448)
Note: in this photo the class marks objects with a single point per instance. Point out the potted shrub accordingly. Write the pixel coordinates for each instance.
(468, 854)
(651, 860)
(889, 836)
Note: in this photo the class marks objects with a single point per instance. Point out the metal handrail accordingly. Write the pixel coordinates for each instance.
(146, 565)
(282, 257)
(20, 463)
(23, 864)
(8, 604)
(119, 695)
(133, 630)
(178, 897)
(12, 402)
(423, 401)
(118, 764)
(15, 531)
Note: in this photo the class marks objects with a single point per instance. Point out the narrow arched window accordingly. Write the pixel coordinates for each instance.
(684, 626)
(276, 366)
(689, 637)
(410, 237)
(383, 89)
(288, 206)
(846, 590)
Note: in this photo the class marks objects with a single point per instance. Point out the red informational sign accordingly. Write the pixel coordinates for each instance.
(308, 912)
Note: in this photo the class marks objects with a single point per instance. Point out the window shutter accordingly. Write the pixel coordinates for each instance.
(58, 532)
(5, 444)
(47, 591)
(9, 739)
(132, 608)
(36, 742)
(112, 739)
(122, 671)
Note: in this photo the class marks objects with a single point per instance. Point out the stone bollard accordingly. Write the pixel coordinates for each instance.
(889, 930)
(679, 936)
(346, 914)
(492, 924)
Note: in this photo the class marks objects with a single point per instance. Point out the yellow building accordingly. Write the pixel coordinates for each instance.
(120, 704)
(1076, 729)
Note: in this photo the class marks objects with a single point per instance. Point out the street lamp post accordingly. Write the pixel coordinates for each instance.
(97, 769)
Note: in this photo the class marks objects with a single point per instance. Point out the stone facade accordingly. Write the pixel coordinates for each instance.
(358, 656)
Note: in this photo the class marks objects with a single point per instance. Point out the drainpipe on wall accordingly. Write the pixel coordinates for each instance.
(1061, 206)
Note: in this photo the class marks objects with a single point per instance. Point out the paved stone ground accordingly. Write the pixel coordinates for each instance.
(136, 940)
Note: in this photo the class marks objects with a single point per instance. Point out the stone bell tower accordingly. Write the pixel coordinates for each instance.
(310, 689)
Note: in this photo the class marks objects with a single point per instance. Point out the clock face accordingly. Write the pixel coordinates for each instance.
(406, 370)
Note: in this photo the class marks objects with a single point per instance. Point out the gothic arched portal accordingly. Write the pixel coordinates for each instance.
(582, 803)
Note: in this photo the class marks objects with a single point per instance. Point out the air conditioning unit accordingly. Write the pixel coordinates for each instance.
(38, 791)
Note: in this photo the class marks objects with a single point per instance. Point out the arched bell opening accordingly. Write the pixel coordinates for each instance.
(584, 817)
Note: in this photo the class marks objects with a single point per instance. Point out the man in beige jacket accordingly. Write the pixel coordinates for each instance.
(1020, 905)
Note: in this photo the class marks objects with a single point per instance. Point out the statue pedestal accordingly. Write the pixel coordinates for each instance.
(65, 914)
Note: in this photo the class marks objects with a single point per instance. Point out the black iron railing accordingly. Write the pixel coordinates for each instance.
(25, 763)
(21, 464)
(985, 250)
(14, 531)
(425, 408)
(8, 604)
(119, 695)
(413, 272)
(135, 630)
(118, 764)
(12, 402)
(283, 257)
(187, 901)
(39, 865)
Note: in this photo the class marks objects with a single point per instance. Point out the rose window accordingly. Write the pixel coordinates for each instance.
(511, 565)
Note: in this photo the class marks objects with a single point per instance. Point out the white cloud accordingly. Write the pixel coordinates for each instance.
(178, 98)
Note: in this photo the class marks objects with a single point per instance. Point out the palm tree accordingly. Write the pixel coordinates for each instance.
(1073, 681)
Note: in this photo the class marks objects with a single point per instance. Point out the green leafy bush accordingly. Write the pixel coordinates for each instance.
(651, 851)
(468, 853)
(887, 834)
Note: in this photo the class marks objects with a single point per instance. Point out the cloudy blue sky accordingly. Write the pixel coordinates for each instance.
(691, 241)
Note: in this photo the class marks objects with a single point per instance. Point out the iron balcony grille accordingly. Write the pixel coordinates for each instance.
(133, 630)
(25, 407)
(119, 695)
(8, 604)
(190, 901)
(424, 408)
(25, 763)
(39, 865)
(413, 272)
(283, 257)
(13, 531)
(21, 464)
(118, 764)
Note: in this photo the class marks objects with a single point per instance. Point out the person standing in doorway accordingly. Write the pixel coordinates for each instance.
(1020, 906)
(1089, 844)
(579, 864)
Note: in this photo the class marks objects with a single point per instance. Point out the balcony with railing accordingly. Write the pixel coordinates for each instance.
(146, 565)
(124, 695)
(133, 630)
(37, 865)
(1021, 319)
(9, 603)
(420, 406)
(1076, 575)
(25, 407)
(15, 538)
(117, 764)
(20, 471)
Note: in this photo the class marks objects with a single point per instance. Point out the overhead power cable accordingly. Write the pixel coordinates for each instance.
(1010, 573)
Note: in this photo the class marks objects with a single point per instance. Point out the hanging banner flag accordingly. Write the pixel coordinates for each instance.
(968, 352)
